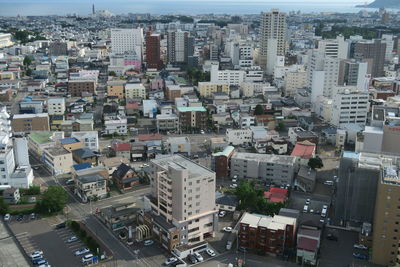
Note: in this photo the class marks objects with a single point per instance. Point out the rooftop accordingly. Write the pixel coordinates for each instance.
(304, 150)
(190, 109)
(57, 151)
(41, 137)
(90, 178)
(83, 153)
(226, 152)
(69, 140)
(26, 116)
(178, 140)
(280, 159)
(179, 162)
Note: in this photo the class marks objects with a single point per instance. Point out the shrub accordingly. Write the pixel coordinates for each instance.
(75, 226)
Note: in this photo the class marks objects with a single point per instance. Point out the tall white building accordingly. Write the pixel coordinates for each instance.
(15, 169)
(56, 106)
(336, 48)
(273, 37)
(182, 201)
(350, 107)
(126, 40)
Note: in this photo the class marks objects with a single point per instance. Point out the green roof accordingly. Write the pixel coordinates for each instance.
(41, 137)
(187, 109)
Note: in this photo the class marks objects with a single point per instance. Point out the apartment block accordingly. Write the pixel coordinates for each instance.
(167, 122)
(239, 136)
(56, 106)
(58, 160)
(273, 169)
(90, 187)
(386, 223)
(77, 87)
(350, 107)
(266, 234)
(135, 90)
(153, 52)
(192, 117)
(30, 122)
(182, 202)
(89, 139)
(206, 89)
(116, 89)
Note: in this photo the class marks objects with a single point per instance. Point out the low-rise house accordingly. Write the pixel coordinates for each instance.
(58, 160)
(276, 195)
(218, 143)
(122, 150)
(179, 145)
(226, 202)
(298, 134)
(70, 143)
(83, 155)
(89, 139)
(304, 150)
(125, 177)
(117, 125)
(90, 187)
(111, 164)
(77, 125)
(308, 243)
(138, 150)
(56, 121)
(88, 171)
(119, 216)
(306, 179)
(11, 195)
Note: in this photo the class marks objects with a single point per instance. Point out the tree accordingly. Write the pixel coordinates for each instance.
(281, 126)
(54, 200)
(3, 207)
(28, 72)
(112, 73)
(27, 61)
(259, 110)
(315, 163)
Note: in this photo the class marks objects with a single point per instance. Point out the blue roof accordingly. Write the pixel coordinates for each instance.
(349, 154)
(69, 140)
(82, 166)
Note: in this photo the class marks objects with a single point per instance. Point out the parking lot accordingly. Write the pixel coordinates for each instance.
(298, 201)
(39, 234)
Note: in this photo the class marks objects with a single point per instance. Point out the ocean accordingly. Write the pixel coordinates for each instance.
(84, 7)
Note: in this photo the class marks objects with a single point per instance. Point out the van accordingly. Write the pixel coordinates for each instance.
(305, 209)
(328, 183)
(87, 258)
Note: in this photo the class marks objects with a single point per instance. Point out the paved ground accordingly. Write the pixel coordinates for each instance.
(10, 253)
(339, 253)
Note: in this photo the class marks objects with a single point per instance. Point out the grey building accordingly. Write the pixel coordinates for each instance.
(372, 51)
(58, 48)
(273, 169)
(306, 178)
(356, 188)
(178, 145)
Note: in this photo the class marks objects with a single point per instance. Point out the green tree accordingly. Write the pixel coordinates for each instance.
(281, 126)
(3, 207)
(259, 110)
(54, 200)
(27, 61)
(112, 73)
(28, 72)
(315, 163)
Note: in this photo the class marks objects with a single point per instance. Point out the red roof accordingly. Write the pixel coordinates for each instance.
(307, 244)
(122, 147)
(304, 150)
(133, 105)
(276, 194)
(149, 137)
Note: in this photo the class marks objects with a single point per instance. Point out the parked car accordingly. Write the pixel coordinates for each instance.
(308, 201)
(242, 249)
(192, 259)
(36, 254)
(36, 168)
(331, 237)
(227, 229)
(360, 256)
(360, 246)
(33, 216)
(148, 242)
(60, 225)
(87, 258)
(330, 183)
(305, 208)
(72, 239)
(170, 261)
(41, 261)
(210, 252)
(69, 182)
(7, 217)
(198, 256)
(233, 185)
(202, 132)
(81, 251)
(222, 213)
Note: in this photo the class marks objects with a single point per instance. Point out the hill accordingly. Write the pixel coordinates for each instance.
(384, 3)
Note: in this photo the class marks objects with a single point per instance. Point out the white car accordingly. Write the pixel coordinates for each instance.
(308, 201)
(233, 185)
(234, 180)
(222, 213)
(202, 132)
(227, 229)
(148, 242)
(210, 252)
(7, 217)
(87, 258)
(36, 254)
(81, 251)
(72, 239)
(198, 256)
(360, 246)
(170, 261)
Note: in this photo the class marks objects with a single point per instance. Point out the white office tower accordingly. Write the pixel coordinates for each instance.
(336, 48)
(126, 40)
(323, 74)
(350, 107)
(389, 41)
(272, 38)
(15, 169)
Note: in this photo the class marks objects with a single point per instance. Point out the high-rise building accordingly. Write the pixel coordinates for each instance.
(386, 226)
(153, 54)
(182, 201)
(374, 51)
(353, 72)
(126, 40)
(15, 169)
(273, 38)
(336, 48)
(180, 46)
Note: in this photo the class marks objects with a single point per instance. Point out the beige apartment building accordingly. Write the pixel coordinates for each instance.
(294, 80)
(206, 89)
(116, 89)
(182, 201)
(30, 122)
(386, 225)
(58, 160)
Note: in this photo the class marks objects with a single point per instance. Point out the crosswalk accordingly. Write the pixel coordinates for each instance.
(27, 242)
